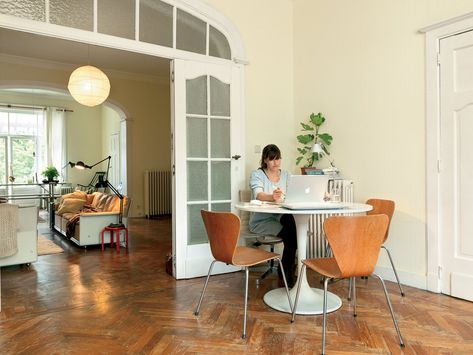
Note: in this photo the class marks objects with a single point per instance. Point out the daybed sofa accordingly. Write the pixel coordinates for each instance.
(81, 217)
(24, 249)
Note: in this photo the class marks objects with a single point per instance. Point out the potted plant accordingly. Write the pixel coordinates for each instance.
(312, 136)
(50, 173)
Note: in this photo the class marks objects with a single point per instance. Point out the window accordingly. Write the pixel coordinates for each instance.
(22, 144)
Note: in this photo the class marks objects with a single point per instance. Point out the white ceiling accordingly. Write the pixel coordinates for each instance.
(56, 50)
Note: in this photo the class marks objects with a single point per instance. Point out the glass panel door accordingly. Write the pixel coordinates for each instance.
(206, 132)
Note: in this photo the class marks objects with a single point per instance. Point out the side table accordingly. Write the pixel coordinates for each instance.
(117, 231)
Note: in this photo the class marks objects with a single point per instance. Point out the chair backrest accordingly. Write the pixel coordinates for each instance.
(223, 230)
(356, 242)
(382, 207)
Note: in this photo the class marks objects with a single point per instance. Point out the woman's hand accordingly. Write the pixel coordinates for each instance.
(278, 195)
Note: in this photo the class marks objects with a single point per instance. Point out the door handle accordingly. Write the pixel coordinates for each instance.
(236, 156)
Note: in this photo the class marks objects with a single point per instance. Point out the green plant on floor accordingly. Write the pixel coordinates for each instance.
(50, 173)
(312, 136)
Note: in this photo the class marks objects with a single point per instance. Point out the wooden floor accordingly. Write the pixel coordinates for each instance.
(84, 301)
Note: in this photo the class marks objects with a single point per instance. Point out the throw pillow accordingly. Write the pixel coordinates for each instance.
(71, 205)
(76, 194)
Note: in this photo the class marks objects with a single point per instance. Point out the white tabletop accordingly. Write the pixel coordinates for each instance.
(310, 299)
(272, 208)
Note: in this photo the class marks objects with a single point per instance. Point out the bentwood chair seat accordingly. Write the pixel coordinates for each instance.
(223, 230)
(355, 242)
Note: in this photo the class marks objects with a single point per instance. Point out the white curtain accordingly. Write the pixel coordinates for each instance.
(57, 144)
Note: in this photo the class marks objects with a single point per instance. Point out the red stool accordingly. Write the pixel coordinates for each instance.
(112, 231)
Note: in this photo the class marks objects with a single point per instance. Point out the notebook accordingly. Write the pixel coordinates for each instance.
(306, 192)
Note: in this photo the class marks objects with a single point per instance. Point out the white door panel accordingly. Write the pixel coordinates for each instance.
(456, 175)
(206, 130)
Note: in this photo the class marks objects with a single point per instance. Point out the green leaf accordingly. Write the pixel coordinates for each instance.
(326, 138)
(306, 127)
(317, 119)
(298, 160)
(306, 138)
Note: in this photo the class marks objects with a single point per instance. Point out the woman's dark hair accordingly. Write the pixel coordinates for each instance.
(271, 152)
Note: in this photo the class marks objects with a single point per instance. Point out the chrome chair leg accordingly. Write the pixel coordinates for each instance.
(297, 293)
(349, 288)
(391, 310)
(197, 310)
(247, 276)
(394, 269)
(354, 296)
(324, 322)
(285, 283)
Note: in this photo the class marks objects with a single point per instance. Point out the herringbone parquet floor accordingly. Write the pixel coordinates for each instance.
(84, 301)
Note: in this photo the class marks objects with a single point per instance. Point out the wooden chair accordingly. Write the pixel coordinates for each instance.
(223, 230)
(382, 207)
(355, 242)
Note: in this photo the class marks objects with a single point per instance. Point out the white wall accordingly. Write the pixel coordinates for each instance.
(362, 64)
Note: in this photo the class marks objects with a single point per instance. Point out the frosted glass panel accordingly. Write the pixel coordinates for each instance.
(220, 138)
(196, 92)
(219, 98)
(196, 137)
(197, 178)
(30, 9)
(156, 22)
(77, 14)
(221, 181)
(196, 229)
(218, 44)
(221, 207)
(190, 33)
(116, 18)
(3, 167)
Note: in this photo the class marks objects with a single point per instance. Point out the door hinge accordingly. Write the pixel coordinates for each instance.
(172, 75)
(439, 165)
(438, 58)
(439, 272)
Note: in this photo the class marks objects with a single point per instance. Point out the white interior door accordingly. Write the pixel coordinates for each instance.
(206, 133)
(456, 173)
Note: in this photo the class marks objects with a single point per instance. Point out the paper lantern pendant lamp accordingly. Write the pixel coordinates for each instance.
(89, 85)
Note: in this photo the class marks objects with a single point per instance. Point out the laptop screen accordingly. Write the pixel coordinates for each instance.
(306, 188)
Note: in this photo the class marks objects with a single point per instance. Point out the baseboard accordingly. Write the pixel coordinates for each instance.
(406, 278)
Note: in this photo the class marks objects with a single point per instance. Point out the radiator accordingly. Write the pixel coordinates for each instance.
(66, 190)
(316, 243)
(158, 198)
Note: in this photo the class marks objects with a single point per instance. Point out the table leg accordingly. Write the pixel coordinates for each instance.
(310, 299)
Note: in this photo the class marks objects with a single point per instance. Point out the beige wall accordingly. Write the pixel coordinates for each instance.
(145, 103)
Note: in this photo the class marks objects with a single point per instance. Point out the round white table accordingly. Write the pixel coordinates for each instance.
(310, 299)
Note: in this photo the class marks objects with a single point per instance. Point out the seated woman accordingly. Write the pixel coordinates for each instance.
(268, 183)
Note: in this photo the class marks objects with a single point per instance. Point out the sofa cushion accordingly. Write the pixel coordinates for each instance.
(71, 205)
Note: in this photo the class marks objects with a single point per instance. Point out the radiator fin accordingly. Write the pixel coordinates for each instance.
(158, 197)
(317, 246)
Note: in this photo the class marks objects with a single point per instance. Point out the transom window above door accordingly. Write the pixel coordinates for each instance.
(150, 21)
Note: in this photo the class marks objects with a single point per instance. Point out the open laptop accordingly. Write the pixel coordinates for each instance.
(307, 192)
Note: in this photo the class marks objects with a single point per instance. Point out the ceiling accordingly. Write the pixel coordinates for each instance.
(57, 50)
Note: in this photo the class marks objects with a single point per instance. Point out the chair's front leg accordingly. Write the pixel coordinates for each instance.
(324, 322)
(299, 281)
(285, 282)
(391, 310)
(247, 275)
(354, 296)
(197, 310)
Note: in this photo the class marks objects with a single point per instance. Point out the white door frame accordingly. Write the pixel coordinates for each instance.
(433, 35)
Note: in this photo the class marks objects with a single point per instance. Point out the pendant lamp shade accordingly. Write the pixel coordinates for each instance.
(89, 85)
